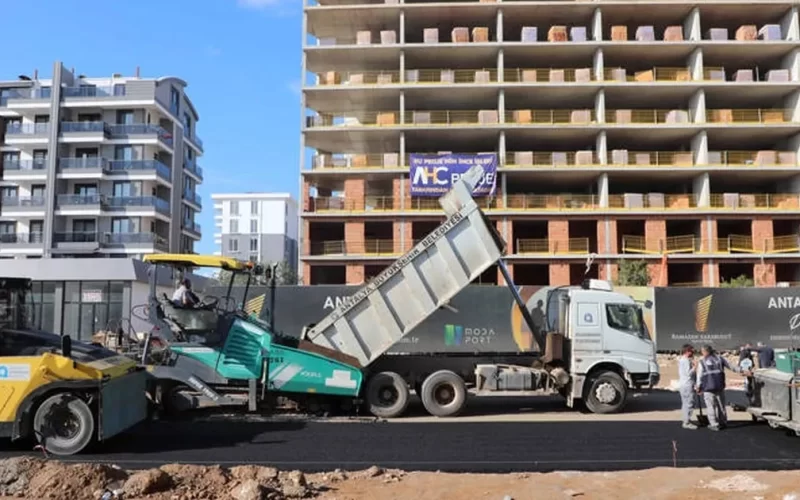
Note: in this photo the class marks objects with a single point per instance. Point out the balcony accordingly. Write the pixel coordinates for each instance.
(139, 167)
(621, 75)
(21, 204)
(749, 116)
(353, 119)
(21, 167)
(191, 226)
(765, 158)
(76, 237)
(22, 239)
(119, 203)
(546, 246)
(94, 92)
(83, 164)
(27, 130)
(141, 129)
(194, 168)
(532, 117)
(80, 201)
(341, 161)
(486, 117)
(549, 75)
(627, 117)
(358, 78)
(554, 202)
(690, 244)
(755, 202)
(194, 198)
(96, 128)
(122, 240)
(195, 139)
(365, 248)
(26, 94)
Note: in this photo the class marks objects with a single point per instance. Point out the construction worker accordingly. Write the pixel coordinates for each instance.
(686, 378)
(766, 355)
(711, 384)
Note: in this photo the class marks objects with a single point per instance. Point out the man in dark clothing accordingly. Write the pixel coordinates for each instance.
(766, 356)
(711, 385)
(746, 352)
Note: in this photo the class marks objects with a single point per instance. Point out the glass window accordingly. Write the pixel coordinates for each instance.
(254, 226)
(254, 207)
(625, 317)
(253, 244)
(234, 208)
(233, 245)
(234, 226)
(125, 117)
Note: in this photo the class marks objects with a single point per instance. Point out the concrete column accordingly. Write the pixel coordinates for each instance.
(597, 26)
(499, 29)
(794, 144)
(63, 76)
(402, 66)
(601, 148)
(791, 61)
(402, 35)
(711, 273)
(701, 188)
(501, 66)
(793, 105)
(600, 107)
(602, 190)
(789, 25)
(504, 190)
(501, 148)
(697, 107)
(691, 26)
(403, 149)
(58, 306)
(598, 66)
(696, 65)
(402, 105)
(700, 148)
(501, 106)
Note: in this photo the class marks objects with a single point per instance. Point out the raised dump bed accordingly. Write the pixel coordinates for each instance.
(393, 303)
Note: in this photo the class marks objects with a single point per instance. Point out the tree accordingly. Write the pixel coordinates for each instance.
(284, 275)
(633, 273)
(741, 281)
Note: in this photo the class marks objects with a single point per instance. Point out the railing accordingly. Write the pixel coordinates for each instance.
(451, 76)
(86, 162)
(21, 238)
(367, 247)
(552, 159)
(651, 201)
(549, 75)
(382, 77)
(22, 201)
(77, 237)
(341, 161)
(783, 244)
(25, 165)
(133, 239)
(711, 73)
(451, 118)
(191, 226)
(753, 158)
(28, 129)
(545, 202)
(648, 75)
(194, 168)
(549, 116)
(94, 91)
(546, 246)
(118, 166)
(624, 157)
(195, 139)
(744, 116)
(731, 244)
(738, 201)
(84, 127)
(123, 202)
(193, 198)
(79, 199)
(122, 130)
(323, 204)
(647, 116)
(354, 119)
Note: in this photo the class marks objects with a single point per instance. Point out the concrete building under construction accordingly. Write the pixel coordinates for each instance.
(625, 129)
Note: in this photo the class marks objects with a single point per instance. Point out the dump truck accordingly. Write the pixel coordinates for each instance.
(594, 345)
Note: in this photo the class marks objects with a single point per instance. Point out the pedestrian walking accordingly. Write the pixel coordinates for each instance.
(686, 379)
(711, 384)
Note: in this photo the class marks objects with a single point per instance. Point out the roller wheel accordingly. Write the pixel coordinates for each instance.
(605, 393)
(444, 394)
(387, 395)
(64, 424)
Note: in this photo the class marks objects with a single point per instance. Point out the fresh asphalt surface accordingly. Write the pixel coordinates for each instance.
(447, 446)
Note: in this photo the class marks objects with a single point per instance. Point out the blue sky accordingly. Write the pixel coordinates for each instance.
(241, 59)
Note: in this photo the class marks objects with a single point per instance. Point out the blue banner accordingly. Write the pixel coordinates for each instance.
(435, 174)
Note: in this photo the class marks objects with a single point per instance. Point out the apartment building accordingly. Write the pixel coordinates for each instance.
(97, 167)
(258, 227)
(660, 130)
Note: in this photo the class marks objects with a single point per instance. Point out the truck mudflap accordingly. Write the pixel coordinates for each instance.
(123, 404)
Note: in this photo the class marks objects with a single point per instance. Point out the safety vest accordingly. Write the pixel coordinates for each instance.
(713, 376)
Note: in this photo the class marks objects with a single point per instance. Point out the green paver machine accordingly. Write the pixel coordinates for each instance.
(775, 397)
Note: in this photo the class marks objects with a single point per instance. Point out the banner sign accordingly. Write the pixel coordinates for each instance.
(435, 174)
(727, 318)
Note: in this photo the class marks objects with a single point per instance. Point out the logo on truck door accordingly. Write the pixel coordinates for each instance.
(459, 335)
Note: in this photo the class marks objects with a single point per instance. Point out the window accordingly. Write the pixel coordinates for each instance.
(626, 318)
(39, 158)
(174, 100)
(254, 244)
(233, 245)
(85, 189)
(234, 226)
(37, 191)
(86, 152)
(125, 117)
(123, 153)
(254, 226)
(40, 119)
(8, 227)
(234, 208)
(36, 229)
(9, 191)
(10, 157)
(90, 306)
(123, 225)
(127, 189)
(253, 257)
(254, 207)
(187, 125)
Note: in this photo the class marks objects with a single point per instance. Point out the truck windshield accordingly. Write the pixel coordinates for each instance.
(627, 318)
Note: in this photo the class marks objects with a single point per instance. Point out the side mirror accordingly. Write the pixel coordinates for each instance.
(258, 270)
(66, 346)
(648, 304)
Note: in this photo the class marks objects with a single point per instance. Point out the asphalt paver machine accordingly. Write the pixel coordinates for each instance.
(775, 395)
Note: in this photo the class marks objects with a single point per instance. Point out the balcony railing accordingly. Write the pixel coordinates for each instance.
(651, 201)
(647, 116)
(549, 117)
(648, 75)
(551, 159)
(548, 75)
(749, 116)
(731, 244)
(22, 201)
(764, 158)
(22, 165)
(134, 239)
(623, 157)
(124, 130)
(340, 161)
(451, 76)
(21, 238)
(27, 129)
(741, 201)
(86, 162)
(451, 118)
(125, 202)
(99, 127)
(367, 247)
(79, 199)
(193, 198)
(354, 119)
(77, 237)
(387, 77)
(546, 246)
(545, 202)
(385, 204)
(191, 225)
(193, 167)
(118, 166)
(94, 91)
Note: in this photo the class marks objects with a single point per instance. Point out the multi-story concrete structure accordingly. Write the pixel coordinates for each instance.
(260, 227)
(622, 144)
(97, 167)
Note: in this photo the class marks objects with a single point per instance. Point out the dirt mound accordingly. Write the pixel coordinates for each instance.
(79, 481)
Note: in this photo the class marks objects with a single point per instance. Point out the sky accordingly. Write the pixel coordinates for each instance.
(241, 59)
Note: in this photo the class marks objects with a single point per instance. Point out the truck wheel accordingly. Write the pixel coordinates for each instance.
(64, 424)
(387, 395)
(444, 394)
(606, 393)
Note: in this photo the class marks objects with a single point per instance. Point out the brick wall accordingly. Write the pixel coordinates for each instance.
(354, 194)
(607, 271)
(355, 274)
(354, 237)
(764, 274)
(402, 230)
(655, 233)
(714, 268)
(500, 280)
(397, 188)
(558, 236)
(306, 273)
(559, 274)
(705, 226)
(762, 231)
(601, 237)
(306, 237)
(306, 196)
(654, 270)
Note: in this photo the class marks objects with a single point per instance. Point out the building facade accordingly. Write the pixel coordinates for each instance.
(258, 227)
(663, 131)
(97, 167)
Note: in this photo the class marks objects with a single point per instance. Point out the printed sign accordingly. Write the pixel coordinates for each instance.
(15, 372)
(435, 174)
(92, 296)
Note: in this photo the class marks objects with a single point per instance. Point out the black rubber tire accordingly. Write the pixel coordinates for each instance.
(376, 386)
(45, 418)
(456, 394)
(595, 381)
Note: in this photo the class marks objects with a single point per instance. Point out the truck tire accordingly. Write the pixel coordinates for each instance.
(444, 394)
(64, 424)
(387, 395)
(605, 392)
